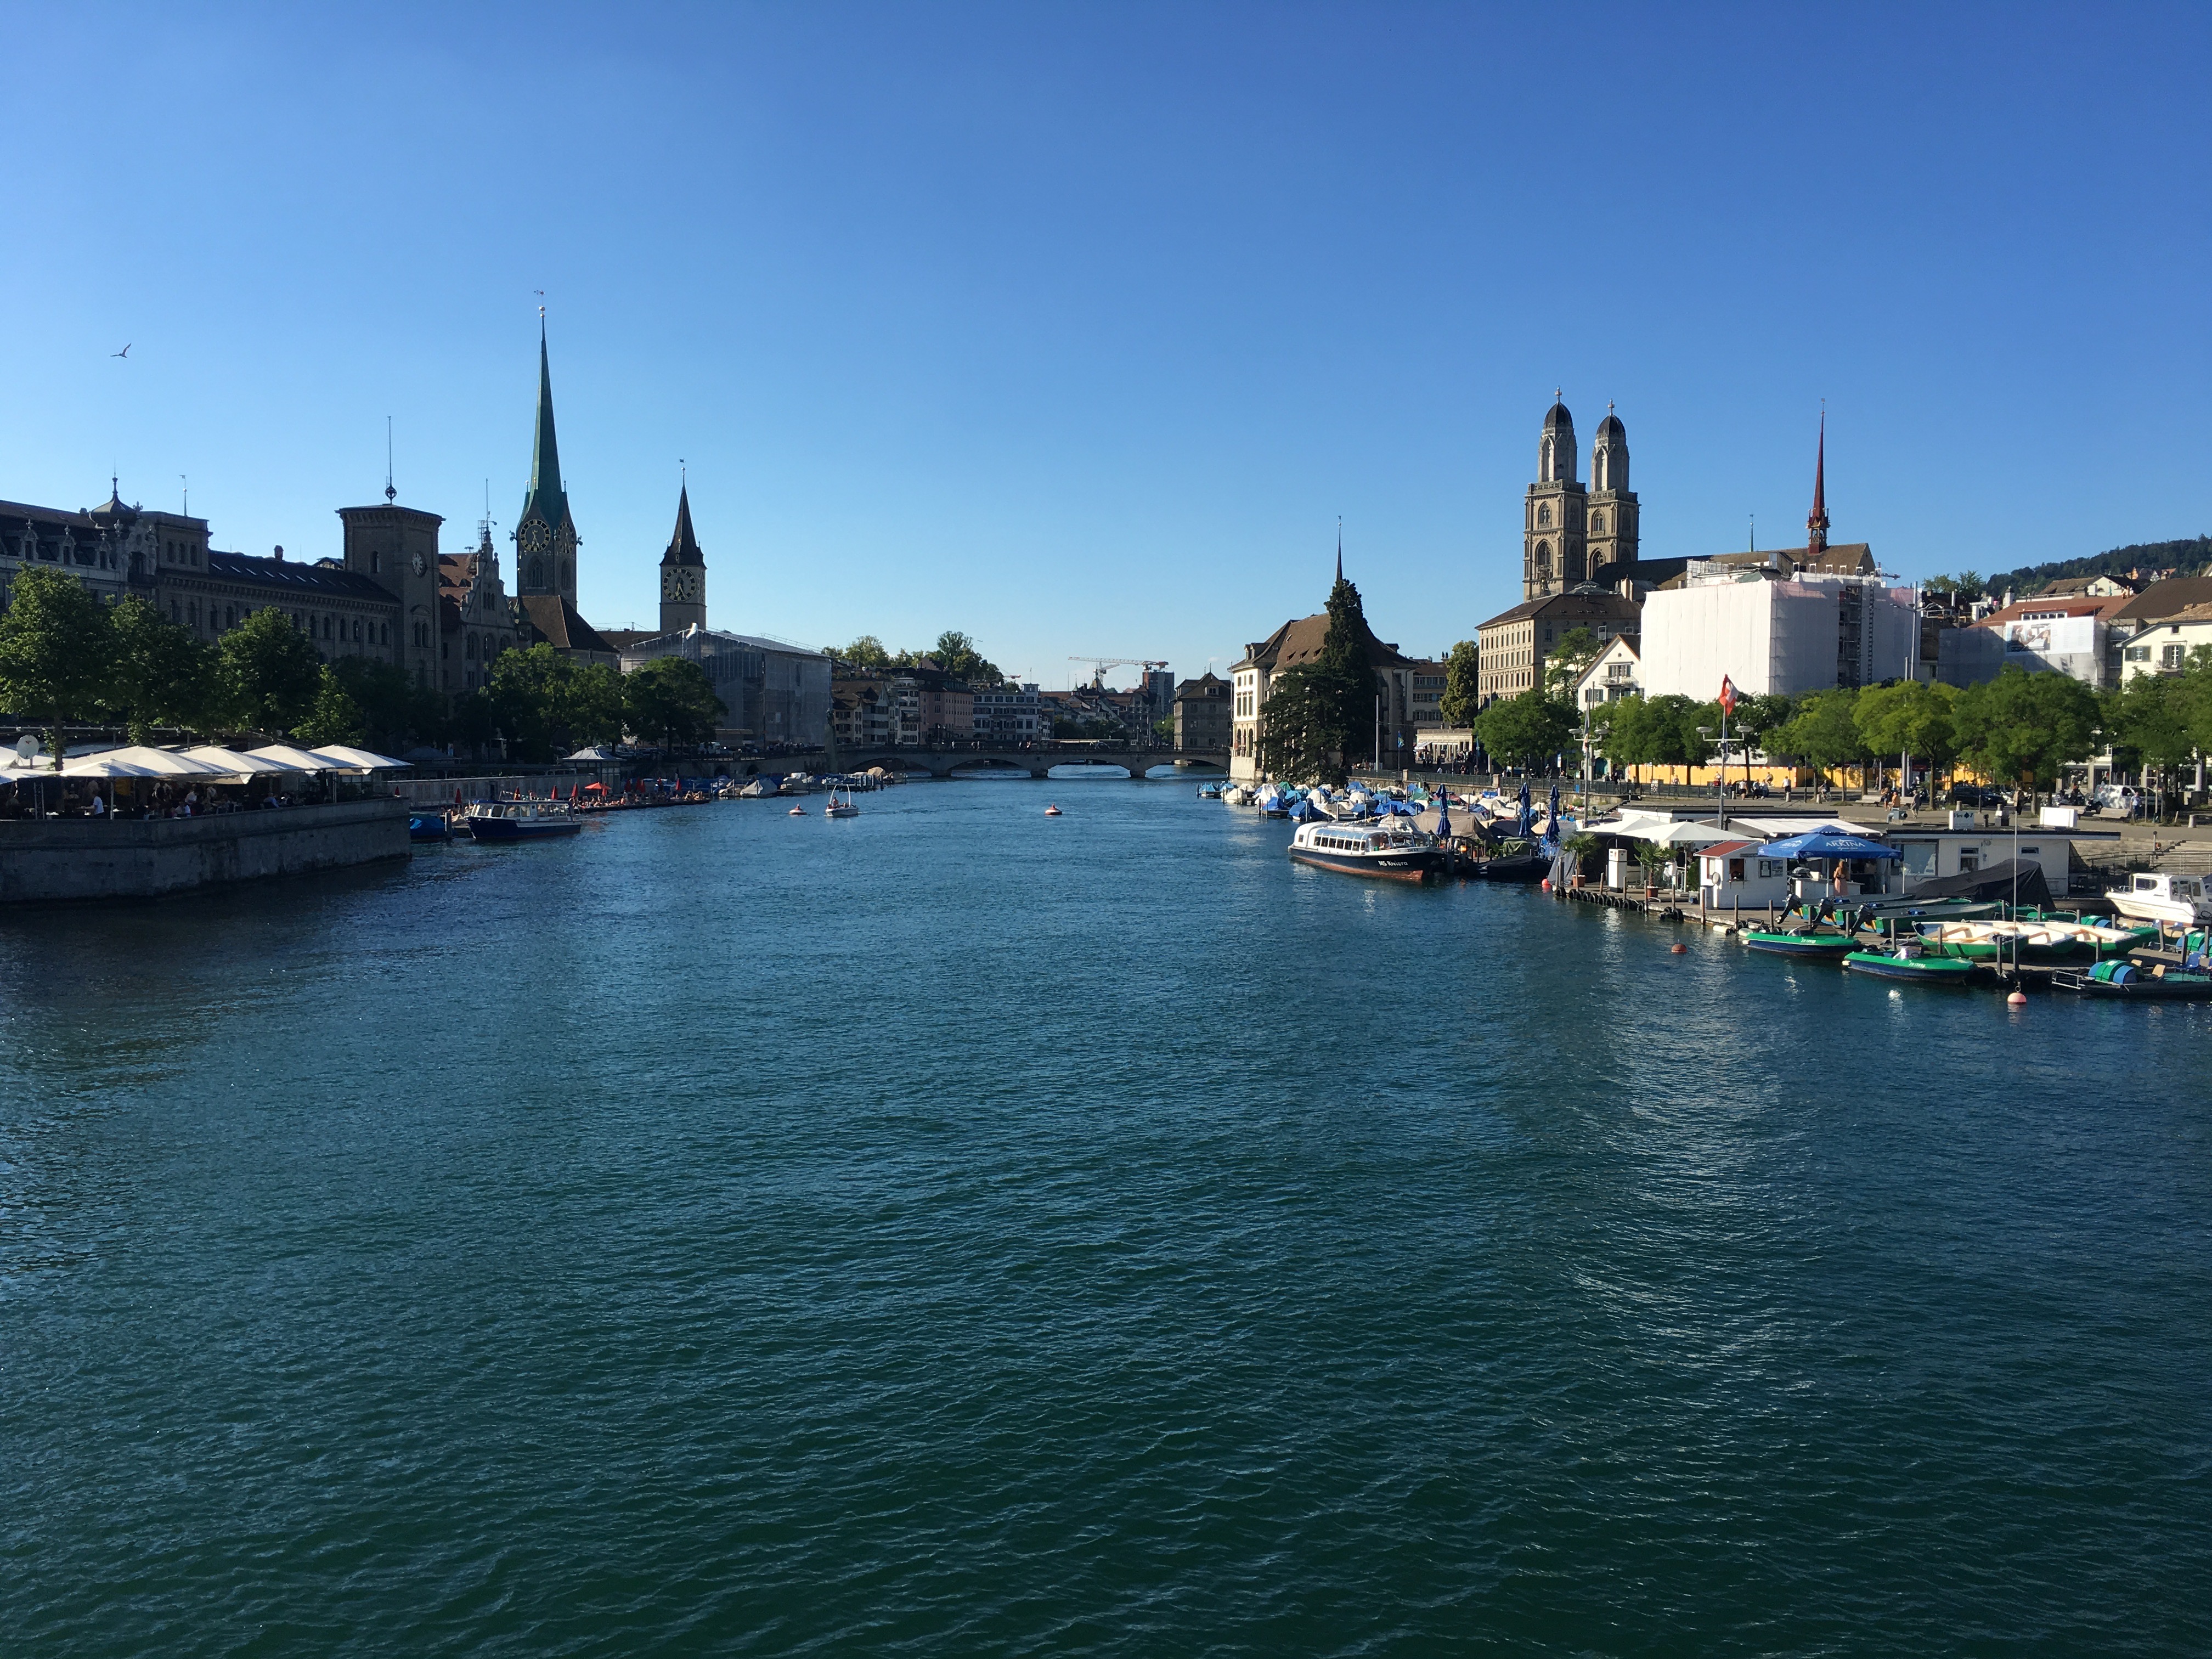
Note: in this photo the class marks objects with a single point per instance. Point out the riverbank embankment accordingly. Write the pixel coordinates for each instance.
(46, 861)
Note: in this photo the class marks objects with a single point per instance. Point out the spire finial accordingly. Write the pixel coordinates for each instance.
(390, 493)
(1340, 547)
(1816, 521)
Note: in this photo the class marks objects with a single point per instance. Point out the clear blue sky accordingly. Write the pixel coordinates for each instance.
(1078, 327)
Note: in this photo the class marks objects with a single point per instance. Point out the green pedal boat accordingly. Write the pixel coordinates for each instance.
(1912, 962)
(1822, 943)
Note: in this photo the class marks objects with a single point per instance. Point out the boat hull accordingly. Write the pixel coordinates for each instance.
(522, 830)
(2172, 988)
(1525, 872)
(1409, 864)
(1923, 970)
(1827, 947)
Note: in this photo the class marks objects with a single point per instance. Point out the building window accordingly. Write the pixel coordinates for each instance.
(1543, 513)
(1597, 524)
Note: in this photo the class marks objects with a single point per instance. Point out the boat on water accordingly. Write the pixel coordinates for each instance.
(1912, 961)
(1516, 862)
(521, 820)
(2032, 940)
(1209, 792)
(841, 809)
(759, 789)
(2178, 901)
(1383, 849)
(1052, 811)
(1823, 944)
(2132, 981)
(429, 826)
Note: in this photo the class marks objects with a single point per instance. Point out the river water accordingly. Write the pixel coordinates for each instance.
(955, 1231)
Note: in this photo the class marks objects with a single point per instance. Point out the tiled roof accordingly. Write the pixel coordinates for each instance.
(294, 576)
(1571, 607)
(2167, 598)
(2062, 604)
(1298, 642)
(562, 623)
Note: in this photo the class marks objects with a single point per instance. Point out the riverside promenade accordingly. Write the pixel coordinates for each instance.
(44, 860)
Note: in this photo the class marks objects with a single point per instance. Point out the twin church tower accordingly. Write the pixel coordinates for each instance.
(1574, 535)
(545, 539)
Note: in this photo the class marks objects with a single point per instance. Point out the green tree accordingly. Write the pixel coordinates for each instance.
(54, 645)
(268, 671)
(866, 652)
(397, 713)
(1302, 737)
(2150, 717)
(158, 672)
(1823, 733)
(1911, 718)
(1462, 697)
(1563, 662)
(672, 701)
(1525, 731)
(1163, 728)
(2023, 727)
(1345, 677)
(334, 717)
(956, 654)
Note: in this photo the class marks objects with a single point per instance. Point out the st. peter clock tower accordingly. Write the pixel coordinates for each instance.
(683, 573)
(545, 539)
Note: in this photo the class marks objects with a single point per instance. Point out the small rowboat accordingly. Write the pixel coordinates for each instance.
(796, 812)
(1052, 811)
(2126, 982)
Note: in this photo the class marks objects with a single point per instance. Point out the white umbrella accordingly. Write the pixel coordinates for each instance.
(598, 752)
(152, 762)
(1677, 835)
(365, 757)
(231, 761)
(293, 759)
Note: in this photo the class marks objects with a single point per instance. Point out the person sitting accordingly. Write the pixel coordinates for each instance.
(271, 801)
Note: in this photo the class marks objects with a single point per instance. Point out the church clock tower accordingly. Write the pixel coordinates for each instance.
(1553, 544)
(545, 539)
(683, 573)
(1615, 519)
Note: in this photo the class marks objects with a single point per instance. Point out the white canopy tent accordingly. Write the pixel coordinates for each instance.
(142, 762)
(230, 760)
(365, 759)
(287, 757)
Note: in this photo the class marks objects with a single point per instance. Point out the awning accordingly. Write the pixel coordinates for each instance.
(1828, 844)
(138, 761)
(302, 760)
(231, 761)
(367, 759)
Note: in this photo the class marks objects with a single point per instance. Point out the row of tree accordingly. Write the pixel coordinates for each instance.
(69, 659)
(2019, 727)
(955, 653)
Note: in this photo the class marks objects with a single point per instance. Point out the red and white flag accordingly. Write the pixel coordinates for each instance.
(1727, 696)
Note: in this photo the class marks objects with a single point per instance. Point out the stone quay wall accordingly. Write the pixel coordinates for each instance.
(46, 859)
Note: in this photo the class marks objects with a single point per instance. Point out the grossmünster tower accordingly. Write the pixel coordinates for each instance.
(1570, 534)
(546, 536)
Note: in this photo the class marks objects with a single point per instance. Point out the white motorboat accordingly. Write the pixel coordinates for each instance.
(759, 789)
(841, 809)
(2180, 900)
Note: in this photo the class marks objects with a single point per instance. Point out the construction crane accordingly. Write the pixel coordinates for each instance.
(1100, 665)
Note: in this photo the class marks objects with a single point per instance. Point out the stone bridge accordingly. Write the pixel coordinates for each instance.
(950, 761)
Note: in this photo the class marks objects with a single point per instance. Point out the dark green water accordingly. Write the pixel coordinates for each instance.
(955, 1232)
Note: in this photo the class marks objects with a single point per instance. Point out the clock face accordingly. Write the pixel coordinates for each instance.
(533, 536)
(422, 564)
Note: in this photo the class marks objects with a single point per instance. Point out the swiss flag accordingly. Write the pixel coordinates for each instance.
(1727, 696)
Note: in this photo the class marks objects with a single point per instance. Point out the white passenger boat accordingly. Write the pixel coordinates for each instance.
(2152, 897)
(521, 820)
(1385, 849)
(841, 809)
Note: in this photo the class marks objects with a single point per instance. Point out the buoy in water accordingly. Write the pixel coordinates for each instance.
(1678, 950)
(1052, 811)
(2017, 999)
(1547, 883)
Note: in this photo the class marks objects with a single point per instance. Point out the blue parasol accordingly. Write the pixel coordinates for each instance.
(1555, 811)
(1828, 844)
(1526, 816)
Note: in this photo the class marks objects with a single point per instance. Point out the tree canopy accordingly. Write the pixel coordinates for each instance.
(671, 700)
(1462, 697)
(546, 706)
(1526, 731)
(268, 672)
(1908, 718)
(1823, 732)
(2023, 727)
(54, 644)
(158, 673)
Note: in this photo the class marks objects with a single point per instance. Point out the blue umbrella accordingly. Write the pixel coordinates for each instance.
(1555, 811)
(1828, 844)
(1444, 818)
(1526, 816)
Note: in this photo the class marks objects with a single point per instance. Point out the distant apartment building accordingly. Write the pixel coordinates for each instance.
(1252, 676)
(773, 692)
(1202, 720)
(1007, 713)
(1767, 635)
(1611, 676)
(1513, 646)
(1425, 694)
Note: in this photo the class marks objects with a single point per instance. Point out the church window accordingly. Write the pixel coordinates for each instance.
(1597, 524)
(1543, 558)
(1544, 513)
(375, 561)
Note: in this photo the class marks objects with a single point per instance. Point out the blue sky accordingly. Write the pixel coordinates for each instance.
(1079, 327)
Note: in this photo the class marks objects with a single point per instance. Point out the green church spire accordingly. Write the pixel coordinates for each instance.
(547, 499)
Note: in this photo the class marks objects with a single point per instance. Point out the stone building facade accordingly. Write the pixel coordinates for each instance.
(1571, 534)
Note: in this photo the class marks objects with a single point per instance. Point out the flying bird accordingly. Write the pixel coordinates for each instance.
(125, 352)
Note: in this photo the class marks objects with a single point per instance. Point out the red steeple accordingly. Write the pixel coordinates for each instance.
(1816, 521)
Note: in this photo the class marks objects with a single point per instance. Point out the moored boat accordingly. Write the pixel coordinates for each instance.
(2151, 896)
(1367, 849)
(841, 809)
(521, 820)
(1823, 942)
(2131, 981)
(1912, 962)
(429, 826)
